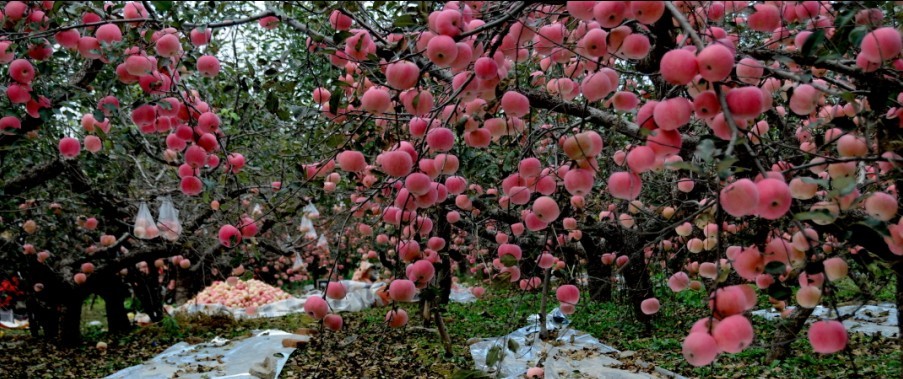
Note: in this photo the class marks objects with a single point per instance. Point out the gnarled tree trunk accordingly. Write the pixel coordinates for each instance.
(70, 323)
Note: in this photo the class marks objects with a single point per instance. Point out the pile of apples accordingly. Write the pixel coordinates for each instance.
(236, 293)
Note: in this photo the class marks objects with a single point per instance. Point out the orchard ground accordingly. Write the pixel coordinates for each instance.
(367, 348)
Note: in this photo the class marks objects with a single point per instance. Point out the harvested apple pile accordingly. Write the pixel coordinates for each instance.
(236, 293)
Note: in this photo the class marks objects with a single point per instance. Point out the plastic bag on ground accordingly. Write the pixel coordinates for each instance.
(168, 220)
(574, 353)
(461, 294)
(218, 358)
(145, 227)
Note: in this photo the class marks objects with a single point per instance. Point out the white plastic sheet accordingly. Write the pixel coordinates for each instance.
(8, 320)
(217, 359)
(359, 296)
(868, 319)
(275, 309)
(574, 354)
(461, 294)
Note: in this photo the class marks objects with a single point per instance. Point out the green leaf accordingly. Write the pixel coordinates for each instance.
(705, 150)
(162, 6)
(724, 166)
(494, 355)
(857, 34)
(334, 101)
(810, 180)
(843, 185)
(815, 268)
(776, 268)
(272, 103)
(513, 345)
(508, 260)
(404, 21)
(816, 39)
(821, 216)
(779, 291)
(98, 115)
(341, 36)
(876, 225)
(684, 166)
(335, 140)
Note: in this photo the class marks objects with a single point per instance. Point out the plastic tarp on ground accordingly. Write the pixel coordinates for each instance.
(574, 354)
(276, 309)
(217, 359)
(8, 321)
(360, 296)
(868, 319)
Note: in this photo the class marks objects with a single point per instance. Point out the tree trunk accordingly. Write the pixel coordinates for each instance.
(149, 293)
(70, 333)
(599, 274)
(783, 337)
(425, 312)
(898, 292)
(638, 286)
(113, 292)
(42, 317)
(543, 331)
(443, 333)
(445, 279)
(182, 283)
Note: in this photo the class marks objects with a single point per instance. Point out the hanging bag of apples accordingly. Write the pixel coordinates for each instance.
(168, 220)
(145, 228)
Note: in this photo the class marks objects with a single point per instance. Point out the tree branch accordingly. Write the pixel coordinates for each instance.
(33, 177)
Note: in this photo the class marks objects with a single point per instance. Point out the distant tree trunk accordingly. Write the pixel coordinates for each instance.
(780, 348)
(183, 292)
